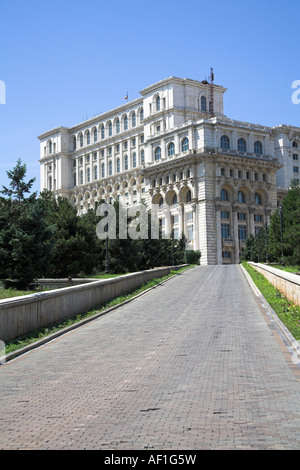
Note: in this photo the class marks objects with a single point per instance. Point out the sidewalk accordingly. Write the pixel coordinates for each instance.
(193, 364)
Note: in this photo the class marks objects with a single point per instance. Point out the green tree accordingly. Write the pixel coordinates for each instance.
(24, 234)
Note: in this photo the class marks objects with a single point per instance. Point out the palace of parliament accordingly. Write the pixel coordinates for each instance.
(174, 147)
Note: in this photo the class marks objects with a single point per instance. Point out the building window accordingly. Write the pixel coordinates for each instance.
(157, 153)
(241, 216)
(241, 196)
(295, 145)
(257, 198)
(125, 123)
(142, 156)
(118, 165)
(110, 129)
(118, 126)
(95, 135)
(110, 167)
(224, 195)
(189, 196)
(103, 170)
(225, 142)
(133, 120)
(50, 147)
(102, 132)
(157, 103)
(224, 215)
(95, 172)
(174, 200)
(258, 148)
(74, 179)
(88, 175)
(295, 156)
(295, 169)
(242, 145)
(134, 160)
(126, 162)
(257, 217)
(171, 149)
(81, 140)
(203, 103)
(81, 177)
(226, 254)
(242, 231)
(185, 144)
(225, 232)
(74, 143)
(88, 138)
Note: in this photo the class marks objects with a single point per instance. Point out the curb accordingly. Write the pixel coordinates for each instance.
(63, 331)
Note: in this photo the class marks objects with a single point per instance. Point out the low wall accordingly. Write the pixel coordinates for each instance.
(22, 315)
(287, 283)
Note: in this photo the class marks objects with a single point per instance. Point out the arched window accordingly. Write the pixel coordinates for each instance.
(110, 129)
(88, 138)
(171, 149)
(203, 103)
(189, 196)
(126, 162)
(157, 153)
(81, 177)
(258, 148)
(88, 175)
(241, 196)
(50, 146)
(74, 143)
(118, 166)
(142, 114)
(95, 135)
(125, 123)
(225, 142)
(161, 202)
(110, 167)
(133, 120)
(257, 198)
(81, 140)
(118, 126)
(134, 160)
(295, 145)
(158, 103)
(242, 145)
(142, 156)
(174, 200)
(102, 132)
(185, 144)
(224, 195)
(95, 172)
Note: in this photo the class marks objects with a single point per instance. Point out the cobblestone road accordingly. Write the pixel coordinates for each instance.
(191, 365)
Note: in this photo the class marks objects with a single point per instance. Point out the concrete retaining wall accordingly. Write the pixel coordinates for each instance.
(287, 283)
(22, 315)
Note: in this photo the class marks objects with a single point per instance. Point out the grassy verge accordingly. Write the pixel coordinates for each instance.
(289, 269)
(288, 313)
(41, 333)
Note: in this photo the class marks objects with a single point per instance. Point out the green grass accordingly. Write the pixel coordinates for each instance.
(51, 329)
(289, 269)
(8, 293)
(288, 313)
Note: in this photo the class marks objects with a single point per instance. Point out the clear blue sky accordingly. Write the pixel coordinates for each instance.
(66, 60)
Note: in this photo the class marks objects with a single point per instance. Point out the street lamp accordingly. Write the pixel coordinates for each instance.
(106, 259)
(281, 232)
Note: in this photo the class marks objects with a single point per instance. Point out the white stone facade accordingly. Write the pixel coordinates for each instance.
(174, 147)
